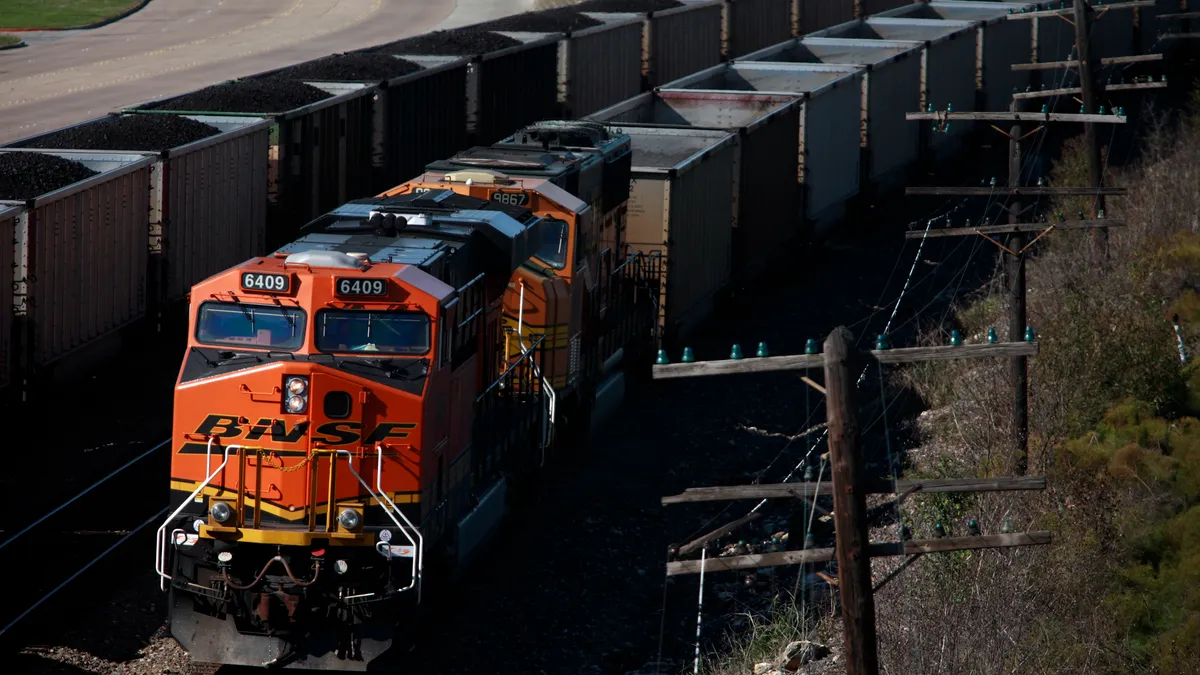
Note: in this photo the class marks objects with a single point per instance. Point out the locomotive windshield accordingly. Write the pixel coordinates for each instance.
(552, 249)
(376, 332)
(244, 325)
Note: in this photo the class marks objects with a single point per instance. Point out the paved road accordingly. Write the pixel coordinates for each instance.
(175, 46)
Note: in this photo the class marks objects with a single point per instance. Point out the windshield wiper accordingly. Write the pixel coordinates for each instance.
(286, 315)
(210, 362)
(227, 357)
(388, 366)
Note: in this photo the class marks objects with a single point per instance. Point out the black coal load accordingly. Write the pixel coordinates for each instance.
(25, 175)
(268, 95)
(626, 5)
(457, 42)
(356, 67)
(551, 21)
(129, 132)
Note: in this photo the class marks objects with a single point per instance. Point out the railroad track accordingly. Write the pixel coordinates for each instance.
(66, 547)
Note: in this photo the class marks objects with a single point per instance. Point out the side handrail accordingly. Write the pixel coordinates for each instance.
(160, 540)
(551, 395)
(418, 565)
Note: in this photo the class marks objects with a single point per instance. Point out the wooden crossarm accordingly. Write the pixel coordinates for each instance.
(1012, 229)
(1016, 192)
(810, 490)
(877, 550)
(770, 364)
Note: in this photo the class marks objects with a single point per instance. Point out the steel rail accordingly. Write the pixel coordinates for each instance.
(81, 570)
(72, 500)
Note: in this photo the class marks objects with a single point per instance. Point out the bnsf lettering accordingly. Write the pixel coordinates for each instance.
(278, 429)
(337, 433)
(228, 425)
(330, 433)
(387, 430)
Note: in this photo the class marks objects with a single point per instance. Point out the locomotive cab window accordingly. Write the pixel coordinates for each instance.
(375, 332)
(245, 325)
(552, 249)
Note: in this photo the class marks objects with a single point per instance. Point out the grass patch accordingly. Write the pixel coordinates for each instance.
(60, 13)
(7, 40)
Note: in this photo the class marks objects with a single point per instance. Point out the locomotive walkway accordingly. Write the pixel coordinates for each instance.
(175, 46)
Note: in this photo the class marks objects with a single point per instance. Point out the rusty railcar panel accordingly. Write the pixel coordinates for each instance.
(207, 202)
(515, 86)
(424, 118)
(749, 25)
(891, 87)
(320, 154)
(682, 207)
(877, 7)
(83, 257)
(769, 198)
(213, 195)
(948, 70)
(1000, 43)
(830, 135)
(11, 217)
(815, 15)
(683, 40)
(676, 41)
(600, 66)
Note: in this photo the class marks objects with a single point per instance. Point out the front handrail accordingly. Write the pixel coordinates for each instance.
(160, 540)
(418, 564)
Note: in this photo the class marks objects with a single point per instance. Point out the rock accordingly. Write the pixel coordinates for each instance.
(801, 652)
(763, 668)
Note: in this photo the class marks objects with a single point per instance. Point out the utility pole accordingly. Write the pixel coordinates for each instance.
(852, 548)
(1084, 19)
(1015, 243)
(849, 508)
(1018, 365)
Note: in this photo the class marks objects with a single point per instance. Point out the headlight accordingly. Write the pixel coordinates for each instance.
(221, 512)
(295, 396)
(341, 566)
(349, 519)
(296, 385)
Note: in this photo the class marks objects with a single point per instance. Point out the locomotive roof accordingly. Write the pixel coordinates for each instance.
(514, 159)
(429, 229)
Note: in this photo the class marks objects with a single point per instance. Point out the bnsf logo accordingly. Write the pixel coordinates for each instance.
(330, 433)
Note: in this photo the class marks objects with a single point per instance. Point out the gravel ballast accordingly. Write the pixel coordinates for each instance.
(359, 67)
(25, 175)
(626, 5)
(551, 21)
(450, 43)
(270, 95)
(130, 132)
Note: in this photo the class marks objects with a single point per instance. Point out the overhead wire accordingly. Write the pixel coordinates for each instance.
(1028, 164)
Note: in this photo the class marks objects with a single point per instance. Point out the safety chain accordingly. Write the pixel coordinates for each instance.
(276, 464)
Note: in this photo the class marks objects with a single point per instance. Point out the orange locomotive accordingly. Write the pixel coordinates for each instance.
(352, 409)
